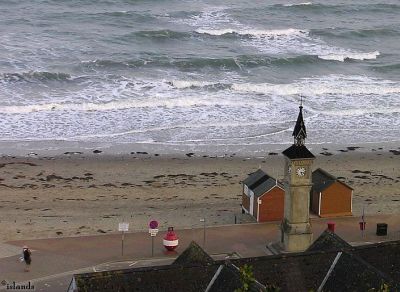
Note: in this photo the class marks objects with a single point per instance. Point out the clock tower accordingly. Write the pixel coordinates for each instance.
(296, 234)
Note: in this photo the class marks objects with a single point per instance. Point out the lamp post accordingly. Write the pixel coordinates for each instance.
(204, 231)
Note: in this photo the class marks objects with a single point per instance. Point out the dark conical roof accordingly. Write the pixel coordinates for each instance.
(193, 254)
(299, 132)
(298, 152)
(328, 240)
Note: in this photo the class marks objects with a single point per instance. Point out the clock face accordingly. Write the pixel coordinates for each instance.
(301, 171)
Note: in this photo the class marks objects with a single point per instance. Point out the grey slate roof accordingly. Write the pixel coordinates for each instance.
(260, 182)
(290, 272)
(385, 256)
(266, 186)
(194, 254)
(328, 241)
(322, 180)
(255, 177)
(298, 152)
(227, 278)
(351, 273)
(358, 269)
(171, 278)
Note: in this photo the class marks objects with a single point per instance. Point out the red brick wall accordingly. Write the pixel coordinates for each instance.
(336, 200)
(272, 205)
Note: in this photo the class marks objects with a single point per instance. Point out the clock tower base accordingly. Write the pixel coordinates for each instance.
(296, 237)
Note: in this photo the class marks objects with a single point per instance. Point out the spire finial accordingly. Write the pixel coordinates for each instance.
(301, 100)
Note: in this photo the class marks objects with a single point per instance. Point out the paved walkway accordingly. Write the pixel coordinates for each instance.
(8, 250)
(55, 260)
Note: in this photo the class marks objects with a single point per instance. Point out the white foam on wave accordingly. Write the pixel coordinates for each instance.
(210, 17)
(362, 111)
(185, 102)
(325, 85)
(182, 84)
(346, 56)
(254, 32)
(216, 22)
(298, 4)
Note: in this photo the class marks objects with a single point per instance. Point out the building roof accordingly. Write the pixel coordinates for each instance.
(227, 278)
(266, 186)
(260, 182)
(194, 254)
(299, 131)
(385, 256)
(344, 269)
(322, 180)
(328, 241)
(290, 272)
(170, 278)
(298, 152)
(351, 273)
(254, 178)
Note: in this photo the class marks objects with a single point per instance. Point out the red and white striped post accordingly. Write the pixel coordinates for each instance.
(171, 240)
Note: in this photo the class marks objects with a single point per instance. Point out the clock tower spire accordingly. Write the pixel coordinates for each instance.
(299, 132)
(296, 234)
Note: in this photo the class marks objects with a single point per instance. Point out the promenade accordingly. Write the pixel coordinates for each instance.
(55, 260)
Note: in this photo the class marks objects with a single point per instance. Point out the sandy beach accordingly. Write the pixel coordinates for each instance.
(76, 194)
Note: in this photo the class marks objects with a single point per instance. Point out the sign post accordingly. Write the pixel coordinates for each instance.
(153, 233)
(204, 231)
(362, 223)
(123, 227)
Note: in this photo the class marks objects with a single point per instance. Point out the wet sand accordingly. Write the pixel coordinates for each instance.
(76, 194)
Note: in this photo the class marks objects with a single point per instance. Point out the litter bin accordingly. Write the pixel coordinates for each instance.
(381, 229)
(331, 226)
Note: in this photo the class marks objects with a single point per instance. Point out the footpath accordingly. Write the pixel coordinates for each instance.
(55, 260)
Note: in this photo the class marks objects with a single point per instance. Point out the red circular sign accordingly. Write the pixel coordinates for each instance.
(153, 224)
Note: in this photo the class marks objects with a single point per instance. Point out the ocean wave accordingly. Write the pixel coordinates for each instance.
(233, 63)
(118, 105)
(362, 33)
(163, 34)
(297, 4)
(292, 41)
(188, 84)
(341, 8)
(347, 56)
(34, 76)
(386, 68)
(363, 111)
(253, 32)
(325, 85)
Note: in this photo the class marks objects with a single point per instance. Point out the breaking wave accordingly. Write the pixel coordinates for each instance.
(325, 85)
(34, 76)
(349, 55)
(237, 62)
(298, 4)
(254, 32)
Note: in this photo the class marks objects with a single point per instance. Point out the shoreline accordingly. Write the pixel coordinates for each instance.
(74, 194)
(76, 148)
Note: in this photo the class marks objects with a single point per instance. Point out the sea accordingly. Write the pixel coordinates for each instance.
(196, 75)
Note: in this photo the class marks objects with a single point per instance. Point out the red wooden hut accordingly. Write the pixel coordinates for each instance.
(330, 197)
(263, 197)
